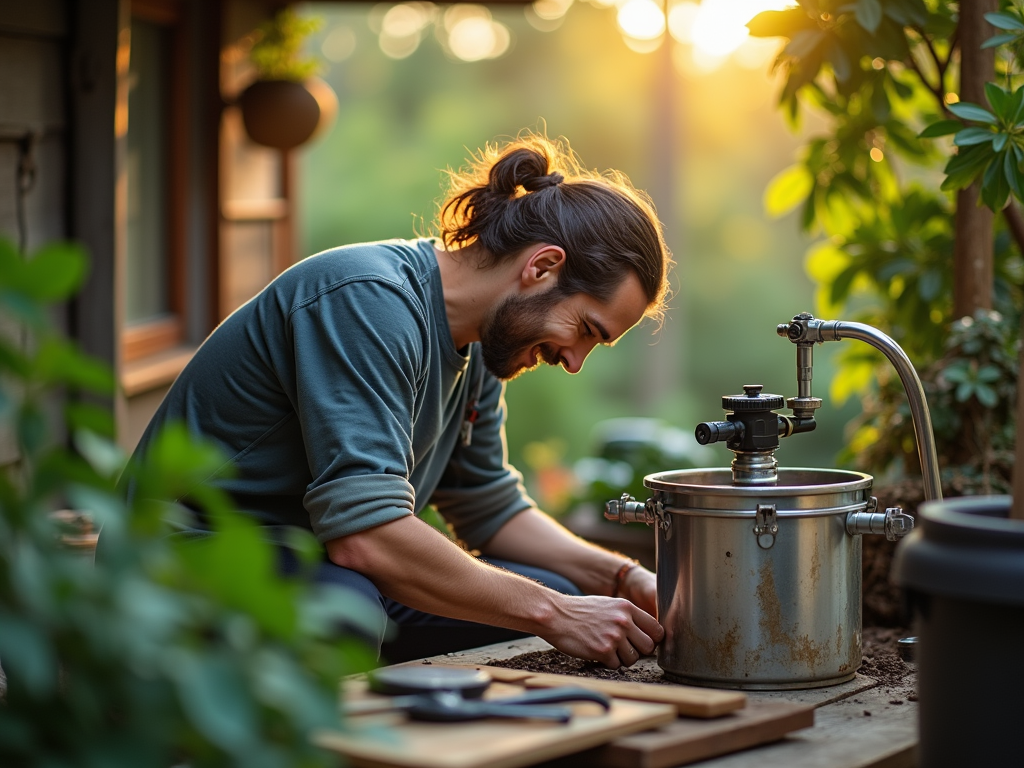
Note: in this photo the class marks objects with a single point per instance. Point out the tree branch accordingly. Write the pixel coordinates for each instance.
(1015, 223)
(938, 91)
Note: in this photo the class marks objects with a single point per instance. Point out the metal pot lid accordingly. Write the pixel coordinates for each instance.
(794, 481)
(800, 493)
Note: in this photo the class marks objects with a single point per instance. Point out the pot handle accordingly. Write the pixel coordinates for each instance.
(894, 523)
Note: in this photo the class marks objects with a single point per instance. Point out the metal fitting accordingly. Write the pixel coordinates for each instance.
(893, 523)
(626, 509)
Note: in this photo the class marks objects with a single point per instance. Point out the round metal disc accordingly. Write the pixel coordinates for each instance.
(399, 681)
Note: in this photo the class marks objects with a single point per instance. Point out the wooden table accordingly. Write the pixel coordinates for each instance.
(856, 723)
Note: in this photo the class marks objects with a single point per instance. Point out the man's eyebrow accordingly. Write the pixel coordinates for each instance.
(600, 328)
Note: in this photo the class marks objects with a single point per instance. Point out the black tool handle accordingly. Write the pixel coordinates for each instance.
(555, 695)
(435, 711)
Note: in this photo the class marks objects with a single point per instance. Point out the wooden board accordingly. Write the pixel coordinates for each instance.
(687, 741)
(392, 741)
(688, 700)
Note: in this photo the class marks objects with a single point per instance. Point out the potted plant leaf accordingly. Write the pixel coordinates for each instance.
(286, 104)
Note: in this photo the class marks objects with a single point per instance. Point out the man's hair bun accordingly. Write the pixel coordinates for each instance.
(544, 182)
(521, 168)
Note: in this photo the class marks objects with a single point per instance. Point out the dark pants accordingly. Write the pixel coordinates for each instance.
(406, 633)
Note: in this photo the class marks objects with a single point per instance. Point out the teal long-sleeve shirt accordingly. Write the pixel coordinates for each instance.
(339, 396)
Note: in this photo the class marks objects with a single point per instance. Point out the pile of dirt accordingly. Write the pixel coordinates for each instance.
(880, 661)
(557, 663)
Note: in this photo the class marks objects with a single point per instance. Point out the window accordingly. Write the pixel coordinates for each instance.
(154, 295)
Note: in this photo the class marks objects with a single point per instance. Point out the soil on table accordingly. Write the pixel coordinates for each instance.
(880, 661)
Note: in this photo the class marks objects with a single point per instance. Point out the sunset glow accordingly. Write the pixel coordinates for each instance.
(711, 29)
(719, 27)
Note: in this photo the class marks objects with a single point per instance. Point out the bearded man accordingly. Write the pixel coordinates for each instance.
(366, 382)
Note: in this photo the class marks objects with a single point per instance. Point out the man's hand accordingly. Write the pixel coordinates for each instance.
(610, 630)
(640, 587)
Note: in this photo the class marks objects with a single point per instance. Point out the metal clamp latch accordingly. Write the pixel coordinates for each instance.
(766, 525)
(657, 510)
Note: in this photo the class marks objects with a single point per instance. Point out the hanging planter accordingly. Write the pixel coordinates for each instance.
(286, 105)
(285, 114)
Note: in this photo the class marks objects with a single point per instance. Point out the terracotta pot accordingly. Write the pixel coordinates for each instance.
(285, 114)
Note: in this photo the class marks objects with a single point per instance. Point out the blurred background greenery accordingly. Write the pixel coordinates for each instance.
(694, 124)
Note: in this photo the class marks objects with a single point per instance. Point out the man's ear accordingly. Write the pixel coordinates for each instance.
(543, 265)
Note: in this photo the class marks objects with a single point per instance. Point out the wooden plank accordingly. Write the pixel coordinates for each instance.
(844, 735)
(688, 700)
(392, 741)
(687, 741)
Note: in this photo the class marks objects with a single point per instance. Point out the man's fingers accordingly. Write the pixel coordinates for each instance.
(650, 632)
(628, 655)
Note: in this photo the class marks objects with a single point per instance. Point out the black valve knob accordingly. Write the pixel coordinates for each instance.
(751, 422)
(715, 431)
(752, 400)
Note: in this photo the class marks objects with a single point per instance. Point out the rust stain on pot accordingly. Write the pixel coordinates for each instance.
(719, 652)
(802, 648)
(815, 561)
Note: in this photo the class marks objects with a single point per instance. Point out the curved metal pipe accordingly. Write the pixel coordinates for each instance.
(804, 330)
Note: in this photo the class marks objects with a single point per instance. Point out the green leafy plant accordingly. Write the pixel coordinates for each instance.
(883, 75)
(971, 389)
(163, 652)
(277, 51)
(994, 150)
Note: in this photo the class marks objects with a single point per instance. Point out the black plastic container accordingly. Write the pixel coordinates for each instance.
(963, 572)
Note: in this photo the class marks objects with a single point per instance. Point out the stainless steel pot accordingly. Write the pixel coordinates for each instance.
(759, 568)
(759, 586)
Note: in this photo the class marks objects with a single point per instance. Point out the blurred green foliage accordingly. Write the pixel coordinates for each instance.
(163, 652)
(626, 451)
(871, 185)
(277, 53)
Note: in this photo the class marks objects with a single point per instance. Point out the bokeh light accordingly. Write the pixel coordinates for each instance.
(401, 28)
(717, 29)
(681, 17)
(407, 19)
(339, 44)
(550, 10)
(641, 20)
(472, 35)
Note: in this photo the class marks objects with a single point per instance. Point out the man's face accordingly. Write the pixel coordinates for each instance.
(525, 330)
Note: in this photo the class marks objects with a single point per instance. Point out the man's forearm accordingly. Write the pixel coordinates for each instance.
(411, 563)
(534, 538)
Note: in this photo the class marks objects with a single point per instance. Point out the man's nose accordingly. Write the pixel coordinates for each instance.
(574, 357)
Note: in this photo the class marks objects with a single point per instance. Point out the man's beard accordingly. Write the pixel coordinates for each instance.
(514, 326)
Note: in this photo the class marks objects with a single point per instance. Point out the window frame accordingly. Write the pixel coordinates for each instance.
(152, 337)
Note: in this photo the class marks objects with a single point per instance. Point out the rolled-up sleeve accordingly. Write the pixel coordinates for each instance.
(480, 491)
(359, 352)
